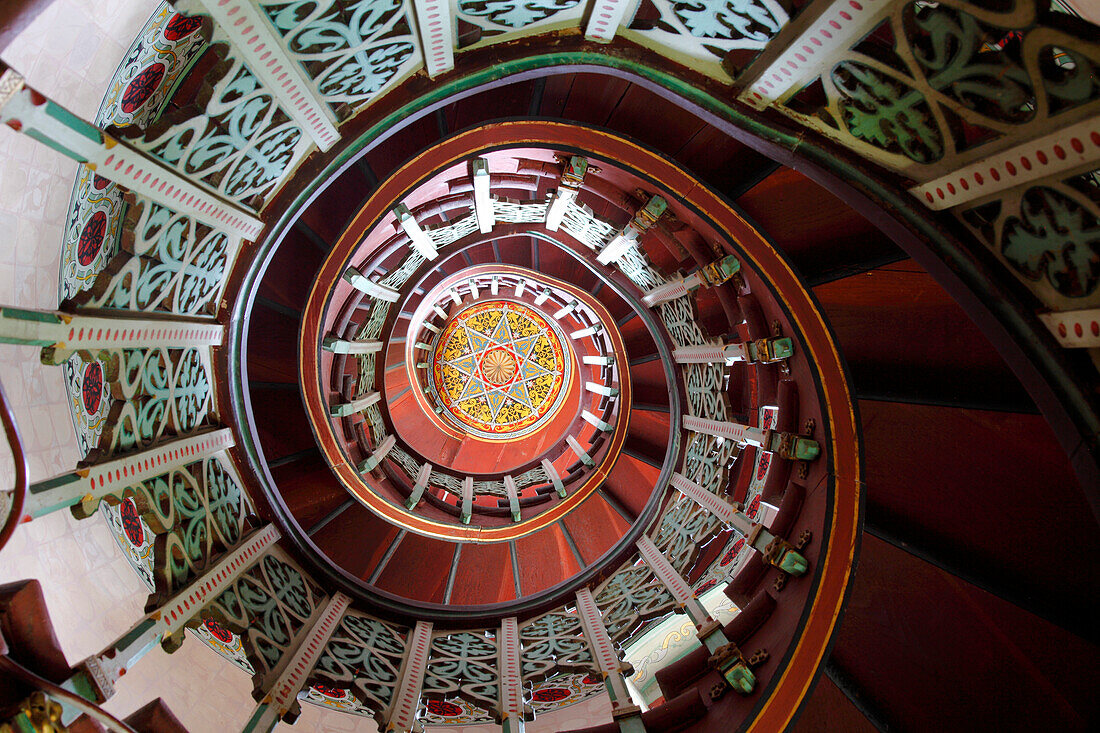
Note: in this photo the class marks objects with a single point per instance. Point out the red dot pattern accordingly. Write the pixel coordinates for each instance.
(437, 56)
(150, 184)
(1039, 155)
(838, 19)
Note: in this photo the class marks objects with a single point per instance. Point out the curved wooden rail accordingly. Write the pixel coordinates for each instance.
(105, 719)
(19, 493)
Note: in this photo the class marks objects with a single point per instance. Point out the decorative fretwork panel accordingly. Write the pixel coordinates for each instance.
(706, 459)
(737, 550)
(552, 643)
(160, 393)
(268, 606)
(1048, 234)
(519, 212)
(241, 144)
(493, 20)
(685, 527)
(376, 427)
(463, 664)
(170, 264)
(581, 223)
(490, 488)
(707, 30)
(504, 15)
(162, 53)
(635, 265)
(196, 512)
(372, 328)
(364, 656)
(401, 274)
(446, 234)
(453, 485)
(938, 85)
(704, 384)
(630, 597)
(681, 319)
(352, 49)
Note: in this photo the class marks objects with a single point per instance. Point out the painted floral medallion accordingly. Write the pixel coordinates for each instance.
(500, 370)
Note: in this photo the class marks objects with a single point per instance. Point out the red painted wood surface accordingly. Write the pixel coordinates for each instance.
(484, 575)
(357, 541)
(826, 234)
(939, 654)
(989, 488)
(308, 488)
(419, 569)
(272, 346)
(545, 559)
(828, 711)
(594, 526)
(900, 331)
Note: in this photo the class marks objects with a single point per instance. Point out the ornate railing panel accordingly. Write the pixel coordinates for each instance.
(463, 664)
(268, 606)
(240, 146)
(161, 393)
(168, 263)
(351, 49)
(704, 32)
(495, 19)
(200, 510)
(630, 597)
(1046, 233)
(364, 656)
(552, 643)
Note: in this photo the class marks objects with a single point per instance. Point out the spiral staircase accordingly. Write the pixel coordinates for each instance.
(438, 363)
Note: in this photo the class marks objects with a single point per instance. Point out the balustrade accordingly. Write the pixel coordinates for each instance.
(313, 650)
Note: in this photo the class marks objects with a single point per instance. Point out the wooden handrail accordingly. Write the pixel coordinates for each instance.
(19, 492)
(93, 711)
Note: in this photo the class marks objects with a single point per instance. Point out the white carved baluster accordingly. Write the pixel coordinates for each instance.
(571, 179)
(622, 708)
(512, 711)
(283, 695)
(712, 274)
(24, 109)
(365, 285)
(63, 333)
(774, 549)
(344, 409)
(96, 675)
(402, 713)
(90, 484)
(265, 55)
(785, 445)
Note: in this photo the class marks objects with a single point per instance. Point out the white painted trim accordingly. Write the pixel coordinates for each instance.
(266, 57)
(1058, 152)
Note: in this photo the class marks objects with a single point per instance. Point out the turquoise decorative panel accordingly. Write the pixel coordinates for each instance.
(351, 48)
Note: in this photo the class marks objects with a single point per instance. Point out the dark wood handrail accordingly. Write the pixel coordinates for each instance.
(93, 711)
(19, 492)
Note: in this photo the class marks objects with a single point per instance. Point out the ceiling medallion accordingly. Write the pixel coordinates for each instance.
(499, 370)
